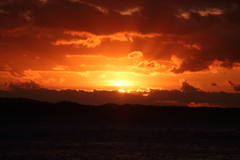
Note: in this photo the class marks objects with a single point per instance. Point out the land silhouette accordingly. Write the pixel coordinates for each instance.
(23, 106)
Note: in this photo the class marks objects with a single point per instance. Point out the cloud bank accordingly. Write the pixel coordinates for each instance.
(188, 95)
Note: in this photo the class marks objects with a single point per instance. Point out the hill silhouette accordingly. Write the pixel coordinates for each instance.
(23, 106)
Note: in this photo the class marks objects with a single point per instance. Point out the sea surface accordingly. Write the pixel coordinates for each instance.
(119, 137)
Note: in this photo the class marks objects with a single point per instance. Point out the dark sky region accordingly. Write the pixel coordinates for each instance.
(174, 52)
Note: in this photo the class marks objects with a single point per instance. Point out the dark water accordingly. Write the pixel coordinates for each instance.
(119, 137)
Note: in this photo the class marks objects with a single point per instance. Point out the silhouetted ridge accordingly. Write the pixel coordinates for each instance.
(23, 106)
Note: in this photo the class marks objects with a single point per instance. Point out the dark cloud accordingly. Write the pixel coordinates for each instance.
(192, 65)
(232, 84)
(186, 87)
(214, 84)
(236, 87)
(222, 99)
(23, 85)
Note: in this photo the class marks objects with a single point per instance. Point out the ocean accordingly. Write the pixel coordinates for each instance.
(77, 137)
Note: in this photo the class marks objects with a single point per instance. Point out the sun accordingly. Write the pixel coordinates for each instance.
(121, 90)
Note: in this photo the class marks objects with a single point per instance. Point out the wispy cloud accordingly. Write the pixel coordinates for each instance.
(91, 40)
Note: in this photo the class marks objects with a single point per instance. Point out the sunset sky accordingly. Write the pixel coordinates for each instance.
(180, 52)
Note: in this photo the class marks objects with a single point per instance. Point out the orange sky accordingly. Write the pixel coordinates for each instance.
(131, 45)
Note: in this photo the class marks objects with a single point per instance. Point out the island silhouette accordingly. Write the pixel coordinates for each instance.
(24, 106)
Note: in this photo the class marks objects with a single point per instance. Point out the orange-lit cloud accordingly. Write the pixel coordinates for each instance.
(60, 68)
(148, 65)
(204, 12)
(135, 54)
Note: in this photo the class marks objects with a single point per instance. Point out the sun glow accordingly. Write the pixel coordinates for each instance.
(120, 83)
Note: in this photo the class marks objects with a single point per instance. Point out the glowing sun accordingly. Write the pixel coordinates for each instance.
(121, 90)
